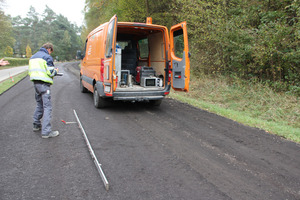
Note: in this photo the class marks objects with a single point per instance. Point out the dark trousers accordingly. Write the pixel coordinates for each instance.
(43, 106)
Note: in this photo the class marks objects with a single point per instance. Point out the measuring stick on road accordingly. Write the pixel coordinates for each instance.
(98, 165)
(68, 122)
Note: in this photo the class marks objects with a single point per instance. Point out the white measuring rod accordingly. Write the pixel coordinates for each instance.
(98, 165)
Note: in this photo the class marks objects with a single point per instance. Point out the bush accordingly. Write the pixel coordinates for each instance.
(17, 61)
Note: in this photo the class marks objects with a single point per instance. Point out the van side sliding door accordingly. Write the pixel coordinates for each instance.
(109, 57)
(180, 60)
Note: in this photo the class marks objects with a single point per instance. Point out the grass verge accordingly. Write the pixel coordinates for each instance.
(247, 102)
(8, 83)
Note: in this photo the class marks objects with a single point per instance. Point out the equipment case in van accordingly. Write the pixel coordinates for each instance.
(144, 72)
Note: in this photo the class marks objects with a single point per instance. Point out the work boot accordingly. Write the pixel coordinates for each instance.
(51, 134)
(37, 127)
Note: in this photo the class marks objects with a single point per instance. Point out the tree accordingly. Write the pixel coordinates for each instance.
(93, 17)
(67, 40)
(98, 12)
(28, 51)
(33, 20)
(9, 52)
(36, 29)
(6, 38)
(26, 31)
(49, 17)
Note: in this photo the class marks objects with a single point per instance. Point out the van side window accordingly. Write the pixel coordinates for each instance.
(178, 43)
(109, 39)
(143, 48)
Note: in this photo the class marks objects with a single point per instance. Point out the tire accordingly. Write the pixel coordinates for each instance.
(82, 88)
(99, 102)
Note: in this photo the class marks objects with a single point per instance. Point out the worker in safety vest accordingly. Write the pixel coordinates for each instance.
(41, 71)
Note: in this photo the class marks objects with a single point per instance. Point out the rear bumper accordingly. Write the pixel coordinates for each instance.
(138, 98)
(141, 95)
(145, 95)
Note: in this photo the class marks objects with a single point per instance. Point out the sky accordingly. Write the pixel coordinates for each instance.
(71, 9)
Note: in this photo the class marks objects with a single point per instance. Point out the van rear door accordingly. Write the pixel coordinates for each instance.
(180, 61)
(109, 57)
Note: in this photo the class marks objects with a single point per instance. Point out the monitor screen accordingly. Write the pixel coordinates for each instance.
(150, 82)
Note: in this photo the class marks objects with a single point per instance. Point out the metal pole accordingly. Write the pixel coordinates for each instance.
(98, 165)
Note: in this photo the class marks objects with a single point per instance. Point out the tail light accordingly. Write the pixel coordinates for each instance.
(102, 69)
(170, 72)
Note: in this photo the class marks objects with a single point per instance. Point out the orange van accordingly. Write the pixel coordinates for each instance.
(131, 61)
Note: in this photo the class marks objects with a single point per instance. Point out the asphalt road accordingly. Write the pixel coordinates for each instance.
(174, 151)
(10, 72)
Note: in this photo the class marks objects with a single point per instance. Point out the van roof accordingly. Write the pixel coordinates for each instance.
(140, 28)
(140, 25)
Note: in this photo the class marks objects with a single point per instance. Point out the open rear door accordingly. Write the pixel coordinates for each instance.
(180, 60)
(109, 58)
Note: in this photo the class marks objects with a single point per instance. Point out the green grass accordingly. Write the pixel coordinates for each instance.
(8, 83)
(247, 102)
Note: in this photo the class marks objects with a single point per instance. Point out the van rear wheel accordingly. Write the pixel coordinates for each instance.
(99, 102)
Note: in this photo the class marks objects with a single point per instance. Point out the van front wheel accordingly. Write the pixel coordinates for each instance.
(99, 102)
(82, 88)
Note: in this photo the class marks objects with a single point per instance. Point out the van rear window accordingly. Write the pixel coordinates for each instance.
(178, 43)
(143, 48)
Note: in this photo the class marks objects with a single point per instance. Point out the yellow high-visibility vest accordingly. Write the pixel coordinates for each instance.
(38, 70)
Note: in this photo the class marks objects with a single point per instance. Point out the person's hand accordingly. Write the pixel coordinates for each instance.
(3, 62)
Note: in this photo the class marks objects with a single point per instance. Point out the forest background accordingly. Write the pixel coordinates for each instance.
(22, 37)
